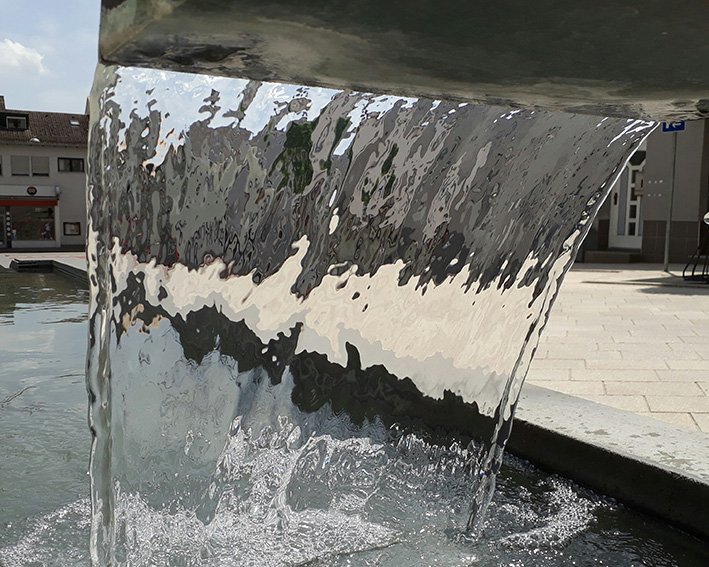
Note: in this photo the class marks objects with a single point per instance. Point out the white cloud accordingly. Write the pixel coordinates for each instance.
(15, 56)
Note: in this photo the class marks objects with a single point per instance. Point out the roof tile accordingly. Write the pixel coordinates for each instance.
(50, 128)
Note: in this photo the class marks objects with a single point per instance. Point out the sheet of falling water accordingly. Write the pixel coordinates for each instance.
(312, 310)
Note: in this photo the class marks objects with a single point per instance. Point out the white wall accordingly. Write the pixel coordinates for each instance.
(72, 198)
(689, 203)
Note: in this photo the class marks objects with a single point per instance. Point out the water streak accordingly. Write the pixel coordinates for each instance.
(312, 311)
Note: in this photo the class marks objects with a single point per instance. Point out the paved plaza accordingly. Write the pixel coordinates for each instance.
(631, 337)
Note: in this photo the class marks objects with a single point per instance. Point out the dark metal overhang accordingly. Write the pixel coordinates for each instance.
(634, 58)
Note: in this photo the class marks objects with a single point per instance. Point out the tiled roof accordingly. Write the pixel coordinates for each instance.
(50, 128)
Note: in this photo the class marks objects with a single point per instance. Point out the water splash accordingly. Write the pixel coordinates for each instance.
(535, 521)
(312, 310)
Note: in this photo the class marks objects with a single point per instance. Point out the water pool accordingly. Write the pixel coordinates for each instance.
(536, 519)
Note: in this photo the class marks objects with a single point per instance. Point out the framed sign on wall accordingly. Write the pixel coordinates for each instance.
(72, 229)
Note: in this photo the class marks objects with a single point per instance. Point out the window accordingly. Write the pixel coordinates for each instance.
(20, 165)
(66, 165)
(33, 223)
(16, 122)
(25, 165)
(40, 166)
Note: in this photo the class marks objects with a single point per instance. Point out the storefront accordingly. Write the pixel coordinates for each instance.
(29, 217)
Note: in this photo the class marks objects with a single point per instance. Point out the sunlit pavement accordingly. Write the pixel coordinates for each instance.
(631, 337)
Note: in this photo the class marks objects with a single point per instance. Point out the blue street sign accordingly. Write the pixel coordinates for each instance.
(673, 126)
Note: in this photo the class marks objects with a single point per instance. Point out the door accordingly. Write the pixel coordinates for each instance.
(626, 198)
(3, 227)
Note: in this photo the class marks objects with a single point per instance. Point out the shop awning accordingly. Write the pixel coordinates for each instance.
(28, 202)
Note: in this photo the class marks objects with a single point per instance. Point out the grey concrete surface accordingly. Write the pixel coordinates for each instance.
(651, 465)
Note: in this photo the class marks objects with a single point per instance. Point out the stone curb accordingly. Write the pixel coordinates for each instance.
(650, 465)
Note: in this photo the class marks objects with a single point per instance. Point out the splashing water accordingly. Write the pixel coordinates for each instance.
(312, 312)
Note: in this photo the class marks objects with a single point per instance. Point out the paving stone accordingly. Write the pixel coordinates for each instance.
(653, 348)
(688, 364)
(583, 338)
(580, 329)
(576, 352)
(701, 331)
(633, 375)
(693, 339)
(544, 374)
(619, 330)
(606, 355)
(627, 403)
(558, 363)
(683, 375)
(574, 388)
(679, 404)
(630, 354)
(603, 346)
(650, 339)
(683, 420)
(590, 346)
(645, 364)
(551, 333)
(641, 330)
(653, 388)
(684, 348)
(702, 420)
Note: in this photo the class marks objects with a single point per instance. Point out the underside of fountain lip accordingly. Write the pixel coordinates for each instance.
(627, 58)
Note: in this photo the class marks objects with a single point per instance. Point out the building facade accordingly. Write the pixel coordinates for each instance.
(42, 179)
(666, 180)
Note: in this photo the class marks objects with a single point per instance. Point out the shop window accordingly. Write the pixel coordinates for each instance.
(40, 166)
(20, 165)
(32, 223)
(66, 165)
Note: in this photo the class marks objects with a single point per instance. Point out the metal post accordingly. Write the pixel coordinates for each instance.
(668, 228)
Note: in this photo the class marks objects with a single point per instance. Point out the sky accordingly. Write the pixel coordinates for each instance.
(48, 53)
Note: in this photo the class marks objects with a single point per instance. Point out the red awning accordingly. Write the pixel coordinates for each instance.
(28, 202)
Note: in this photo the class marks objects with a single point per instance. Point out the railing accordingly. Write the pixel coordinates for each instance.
(699, 258)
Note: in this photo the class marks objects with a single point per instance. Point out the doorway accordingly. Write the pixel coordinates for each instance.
(626, 205)
(3, 227)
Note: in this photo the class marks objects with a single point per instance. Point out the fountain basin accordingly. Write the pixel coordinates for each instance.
(538, 520)
(372, 273)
